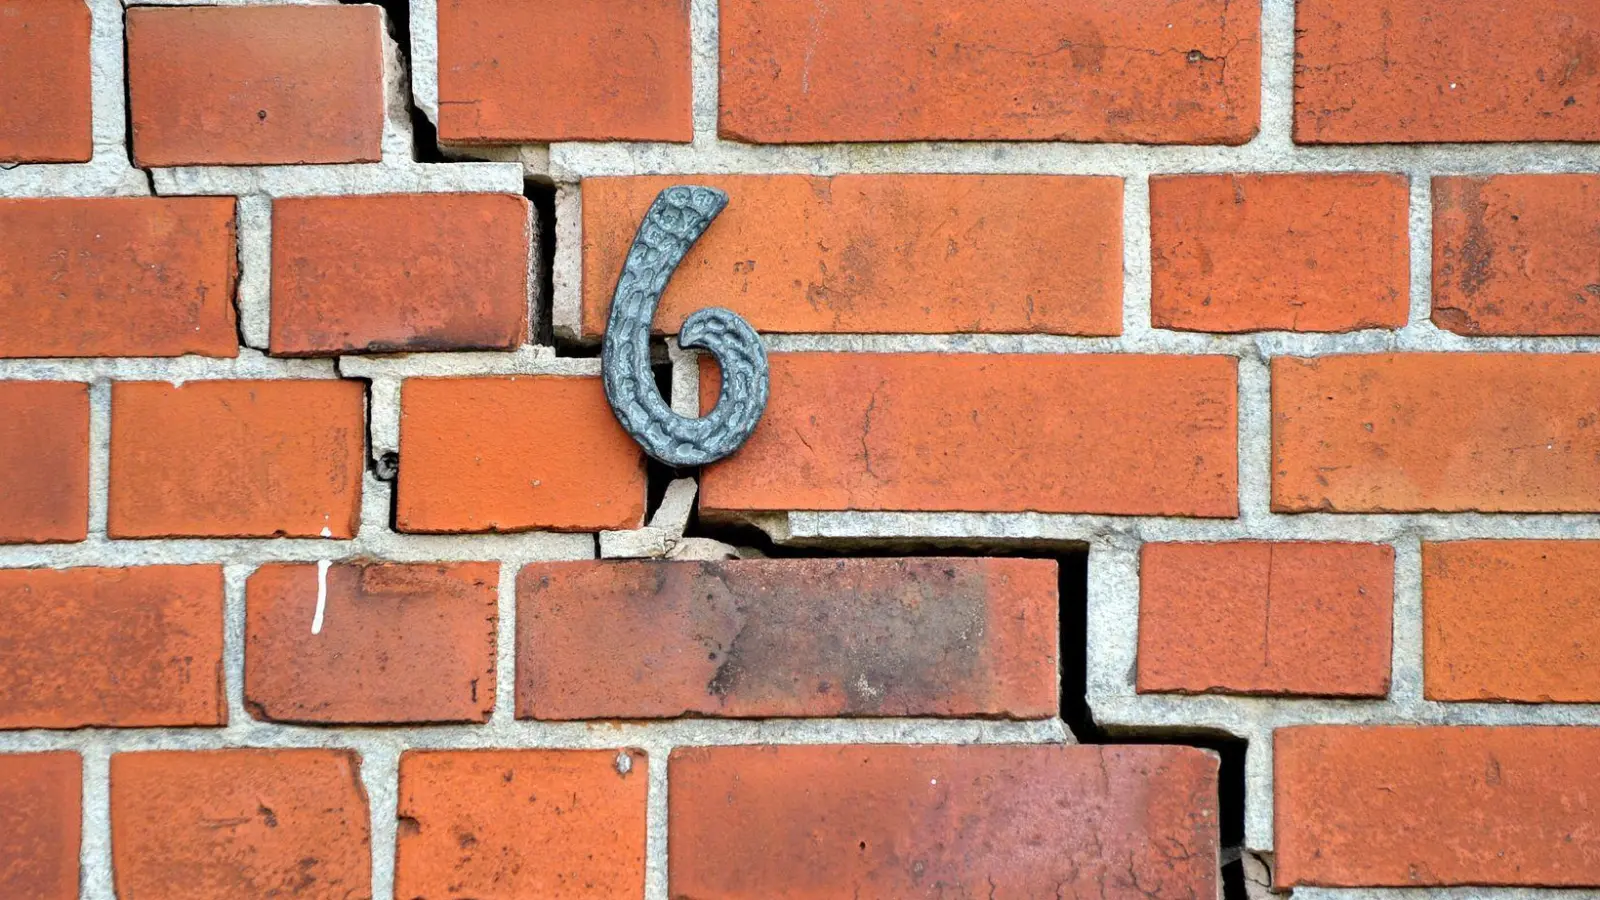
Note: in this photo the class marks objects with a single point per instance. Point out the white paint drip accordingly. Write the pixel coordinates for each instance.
(322, 595)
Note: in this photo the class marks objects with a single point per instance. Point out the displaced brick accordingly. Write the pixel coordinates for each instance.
(120, 648)
(403, 272)
(763, 638)
(508, 824)
(1086, 433)
(1418, 807)
(45, 108)
(256, 85)
(515, 454)
(1403, 71)
(1446, 432)
(44, 461)
(599, 70)
(819, 822)
(1517, 254)
(226, 824)
(236, 459)
(41, 811)
(122, 276)
(1236, 253)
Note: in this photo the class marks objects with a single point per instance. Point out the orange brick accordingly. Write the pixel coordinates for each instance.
(1238, 253)
(876, 254)
(1517, 254)
(1121, 435)
(595, 70)
(515, 454)
(1266, 618)
(1402, 71)
(227, 824)
(505, 824)
(399, 273)
(124, 276)
(258, 85)
(345, 650)
(1447, 432)
(122, 648)
(1138, 71)
(237, 459)
(819, 823)
(1511, 620)
(1419, 807)
(44, 461)
(762, 638)
(41, 814)
(45, 104)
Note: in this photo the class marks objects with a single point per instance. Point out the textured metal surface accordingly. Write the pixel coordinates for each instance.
(677, 218)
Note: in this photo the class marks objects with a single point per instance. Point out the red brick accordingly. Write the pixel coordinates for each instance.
(237, 459)
(1115, 434)
(377, 620)
(766, 638)
(124, 276)
(1511, 620)
(879, 254)
(1239, 253)
(44, 83)
(818, 822)
(1517, 254)
(508, 824)
(257, 85)
(515, 454)
(122, 648)
(1266, 618)
(399, 273)
(594, 70)
(41, 812)
(44, 461)
(1402, 71)
(1416, 807)
(1447, 432)
(1138, 71)
(227, 824)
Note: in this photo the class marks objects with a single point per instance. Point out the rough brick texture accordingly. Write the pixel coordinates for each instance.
(44, 82)
(119, 647)
(371, 643)
(40, 824)
(126, 276)
(44, 461)
(522, 823)
(923, 637)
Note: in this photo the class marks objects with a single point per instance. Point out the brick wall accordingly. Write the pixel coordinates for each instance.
(1181, 471)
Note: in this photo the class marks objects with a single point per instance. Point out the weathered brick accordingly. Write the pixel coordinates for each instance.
(1517, 254)
(1139, 71)
(345, 649)
(1238, 253)
(44, 83)
(1447, 432)
(227, 824)
(41, 813)
(874, 254)
(818, 822)
(255, 85)
(598, 70)
(401, 272)
(44, 461)
(863, 637)
(515, 454)
(1416, 807)
(1266, 618)
(1402, 71)
(1511, 620)
(122, 276)
(1122, 435)
(124, 648)
(500, 825)
(236, 459)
